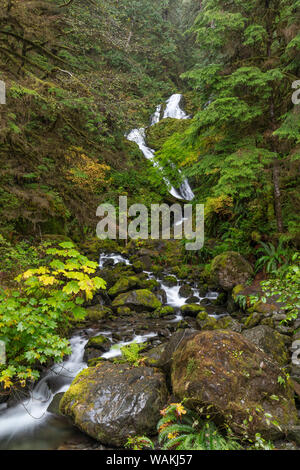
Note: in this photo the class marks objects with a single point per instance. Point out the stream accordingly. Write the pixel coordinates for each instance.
(28, 424)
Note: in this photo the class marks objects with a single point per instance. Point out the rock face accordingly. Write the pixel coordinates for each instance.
(230, 269)
(139, 300)
(111, 402)
(270, 341)
(224, 369)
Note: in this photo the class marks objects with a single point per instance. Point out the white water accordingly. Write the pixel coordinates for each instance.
(173, 109)
(32, 412)
(117, 258)
(138, 136)
(115, 350)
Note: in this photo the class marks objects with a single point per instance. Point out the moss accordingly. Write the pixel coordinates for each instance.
(236, 291)
(163, 312)
(142, 298)
(252, 320)
(124, 311)
(97, 313)
(202, 316)
(97, 342)
(157, 135)
(192, 309)
(123, 284)
(170, 281)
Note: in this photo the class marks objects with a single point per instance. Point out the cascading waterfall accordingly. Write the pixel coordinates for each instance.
(138, 136)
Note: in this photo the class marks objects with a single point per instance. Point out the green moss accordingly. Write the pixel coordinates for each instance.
(142, 298)
(123, 284)
(162, 312)
(192, 309)
(97, 342)
(157, 135)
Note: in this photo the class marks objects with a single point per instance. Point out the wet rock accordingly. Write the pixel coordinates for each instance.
(165, 360)
(112, 402)
(224, 369)
(54, 405)
(139, 300)
(230, 269)
(124, 284)
(161, 295)
(192, 310)
(186, 291)
(222, 323)
(270, 341)
(163, 312)
(96, 346)
(170, 281)
(98, 312)
(192, 300)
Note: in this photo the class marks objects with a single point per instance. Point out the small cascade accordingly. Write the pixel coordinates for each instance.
(29, 416)
(173, 109)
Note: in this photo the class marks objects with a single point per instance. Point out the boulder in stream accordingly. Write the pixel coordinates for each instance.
(138, 300)
(111, 402)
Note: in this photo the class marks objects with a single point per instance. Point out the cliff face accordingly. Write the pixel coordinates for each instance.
(78, 75)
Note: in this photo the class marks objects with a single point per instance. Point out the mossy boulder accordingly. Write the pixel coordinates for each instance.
(225, 370)
(222, 323)
(270, 341)
(163, 312)
(111, 402)
(186, 291)
(170, 281)
(96, 346)
(230, 269)
(192, 310)
(124, 284)
(139, 300)
(98, 312)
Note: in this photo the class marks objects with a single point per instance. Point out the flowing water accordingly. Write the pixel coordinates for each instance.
(172, 110)
(29, 424)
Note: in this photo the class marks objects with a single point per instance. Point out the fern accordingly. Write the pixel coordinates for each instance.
(182, 429)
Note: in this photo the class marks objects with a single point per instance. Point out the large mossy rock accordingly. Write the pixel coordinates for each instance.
(270, 341)
(124, 284)
(230, 269)
(139, 300)
(111, 402)
(225, 370)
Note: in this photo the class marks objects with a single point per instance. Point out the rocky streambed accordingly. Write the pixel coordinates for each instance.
(194, 349)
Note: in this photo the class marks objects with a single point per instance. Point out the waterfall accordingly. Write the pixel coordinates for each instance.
(138, 136)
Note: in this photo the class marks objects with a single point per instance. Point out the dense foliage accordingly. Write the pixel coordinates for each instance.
(242, 146)
(34, 316)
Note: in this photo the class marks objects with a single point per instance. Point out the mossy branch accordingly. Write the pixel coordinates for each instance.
(34, 45)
